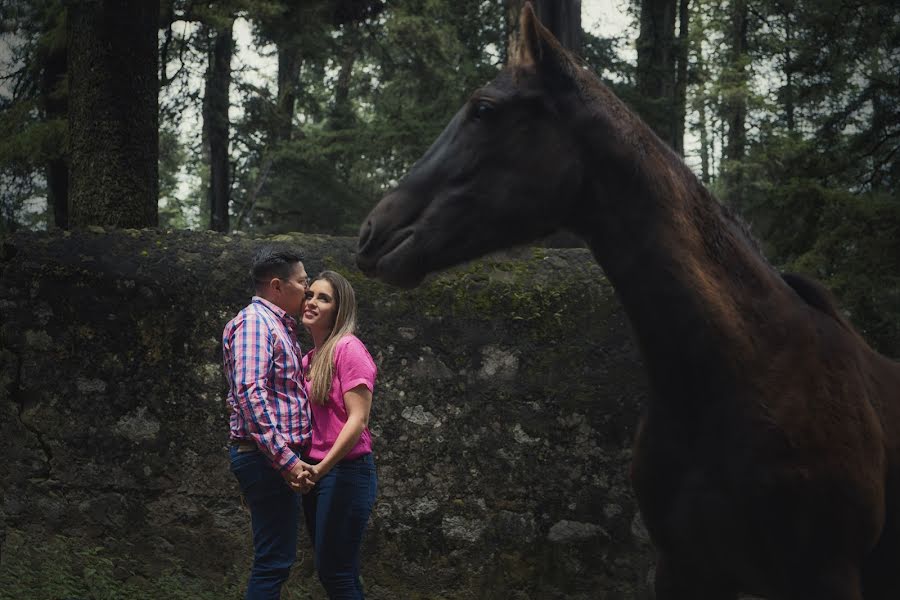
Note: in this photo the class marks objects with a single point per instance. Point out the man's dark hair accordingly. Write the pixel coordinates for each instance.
(273, 261)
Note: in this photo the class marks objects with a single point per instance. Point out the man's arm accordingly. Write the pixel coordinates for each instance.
(252, 345)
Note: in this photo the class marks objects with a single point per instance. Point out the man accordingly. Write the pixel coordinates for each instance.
(270, 419)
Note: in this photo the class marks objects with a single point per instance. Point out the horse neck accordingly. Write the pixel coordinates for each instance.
(695, 288)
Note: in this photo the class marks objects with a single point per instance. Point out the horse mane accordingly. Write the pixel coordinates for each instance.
(738, 221)
(592, 89)
(810, 291)
(594, 92)
(817, 296)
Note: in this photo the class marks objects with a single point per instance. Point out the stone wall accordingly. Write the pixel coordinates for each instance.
(507, 397)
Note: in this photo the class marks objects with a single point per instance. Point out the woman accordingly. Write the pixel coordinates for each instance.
(339, 378)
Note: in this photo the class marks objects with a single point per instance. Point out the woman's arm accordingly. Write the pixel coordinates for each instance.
(358, 403)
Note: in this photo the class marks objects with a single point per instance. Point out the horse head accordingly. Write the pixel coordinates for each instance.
(504, 171)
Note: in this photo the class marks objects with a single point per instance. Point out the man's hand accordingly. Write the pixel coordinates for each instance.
(302, 477)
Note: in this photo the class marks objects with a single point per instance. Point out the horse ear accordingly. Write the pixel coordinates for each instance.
(538, 47)
(529, 48)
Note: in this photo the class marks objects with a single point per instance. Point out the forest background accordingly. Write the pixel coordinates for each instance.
(269, 116)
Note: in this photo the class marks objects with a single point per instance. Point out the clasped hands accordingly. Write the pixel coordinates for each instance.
(302, 477)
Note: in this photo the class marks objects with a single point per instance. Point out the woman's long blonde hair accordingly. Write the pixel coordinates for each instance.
(321, 371)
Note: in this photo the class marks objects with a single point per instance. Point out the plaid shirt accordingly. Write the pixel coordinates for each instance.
(263, 368)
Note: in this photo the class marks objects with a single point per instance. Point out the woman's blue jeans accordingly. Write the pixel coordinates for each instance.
(275, 519)
(337, 510)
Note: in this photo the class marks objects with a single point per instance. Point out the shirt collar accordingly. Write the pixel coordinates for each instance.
(277, 310)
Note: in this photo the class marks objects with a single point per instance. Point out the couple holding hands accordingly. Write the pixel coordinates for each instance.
(300, 441)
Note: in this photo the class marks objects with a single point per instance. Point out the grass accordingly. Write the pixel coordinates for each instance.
(64, 568)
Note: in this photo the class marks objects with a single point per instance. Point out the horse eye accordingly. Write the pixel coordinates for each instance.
(483, 110)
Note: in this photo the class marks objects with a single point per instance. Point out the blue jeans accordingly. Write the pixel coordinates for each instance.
(275, 519)
(336, 511)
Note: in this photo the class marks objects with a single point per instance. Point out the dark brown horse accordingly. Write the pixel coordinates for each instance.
(768, 460)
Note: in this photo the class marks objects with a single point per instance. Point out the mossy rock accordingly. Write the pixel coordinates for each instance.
(507, 395)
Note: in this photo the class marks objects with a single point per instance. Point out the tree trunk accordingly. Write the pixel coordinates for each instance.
(680, 93)
(735, 80)
(57, 173)
(788, 72)
(561, 17)
(289, 62)
(341, 112)
(54, 100)
(700, 99)
(883, 120)
(656, 66)
(215, 121)
(704, 137)
(113, 112)
(290, 28)
(720, 133)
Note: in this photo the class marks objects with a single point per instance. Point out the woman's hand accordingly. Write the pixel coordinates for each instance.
(314, 473)
(302, 477)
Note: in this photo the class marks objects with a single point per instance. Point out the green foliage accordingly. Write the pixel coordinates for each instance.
(175, 212)
(856, 253)
(782, 195)
(25, 144)
(819, 74)
(63, 567)
(32, 97)
(306, 193)
(29, 142)
(817, 176)
(337, 164)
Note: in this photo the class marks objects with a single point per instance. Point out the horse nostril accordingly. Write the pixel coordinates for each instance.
(366, 233)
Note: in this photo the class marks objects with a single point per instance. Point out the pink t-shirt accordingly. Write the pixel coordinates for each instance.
(353, 366)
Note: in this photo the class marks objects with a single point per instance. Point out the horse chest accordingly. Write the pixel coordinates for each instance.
(727, 500)
(688, 490)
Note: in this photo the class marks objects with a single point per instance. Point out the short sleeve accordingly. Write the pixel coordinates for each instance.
(354, 365)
